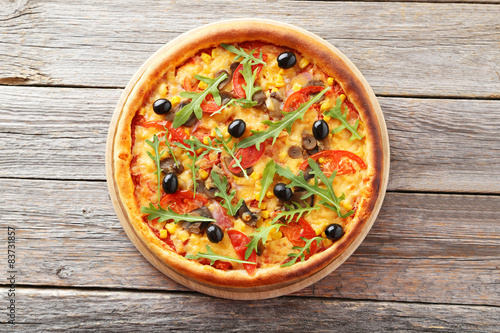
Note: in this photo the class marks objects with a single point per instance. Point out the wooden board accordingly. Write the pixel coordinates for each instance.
(429, 49)
(243, 292)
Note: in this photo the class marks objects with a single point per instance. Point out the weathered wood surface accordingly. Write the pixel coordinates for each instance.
(68, 235)
(439, 145)
(91, 310)
(405, 49)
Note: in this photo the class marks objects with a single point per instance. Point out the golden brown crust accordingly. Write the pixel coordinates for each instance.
(332, 62)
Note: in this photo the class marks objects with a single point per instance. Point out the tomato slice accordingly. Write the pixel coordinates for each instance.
(334, 161)
(175, 134)
(294, 231)
(239, 80)
(249, 156)
(182, 202)
(239, 241)
(208, 105)
(294, 100)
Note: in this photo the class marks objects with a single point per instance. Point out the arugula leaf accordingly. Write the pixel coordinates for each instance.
(222, 142)
(267, 179)
(156, 158)
(303, 249)
(275, 127)
(295, 210)
(242, 54)
(197, 98)
(213, 257)
(336, 113)
(244, 103)
(260, 235)
(169, 147)
(249, 77)
(168, 214)
(328, 197)
(222, 186)
(192, 145)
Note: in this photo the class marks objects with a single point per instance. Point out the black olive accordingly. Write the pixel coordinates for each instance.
(236, 128)
(286, 60)
(170, 183)
(214, 233)
(282, 192)
(334, 231)
(162, 106)
(320, 129)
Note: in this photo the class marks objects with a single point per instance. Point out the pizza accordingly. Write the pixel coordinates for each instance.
(248, 154)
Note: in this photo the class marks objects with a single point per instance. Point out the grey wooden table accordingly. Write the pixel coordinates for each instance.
(431, 261)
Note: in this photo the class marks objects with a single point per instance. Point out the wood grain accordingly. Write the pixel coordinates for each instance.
(404, 49)
(159, 311)
(422, 248)
(439, 145)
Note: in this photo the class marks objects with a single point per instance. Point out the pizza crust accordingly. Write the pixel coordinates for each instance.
(334, 64)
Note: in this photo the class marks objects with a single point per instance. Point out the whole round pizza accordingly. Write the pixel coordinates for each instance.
(248, 154)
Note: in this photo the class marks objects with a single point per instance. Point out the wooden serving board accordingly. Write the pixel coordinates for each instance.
(243, 293)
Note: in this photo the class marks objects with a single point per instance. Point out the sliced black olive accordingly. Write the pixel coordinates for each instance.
(225, 97)
(313, 151)
(286, 60)
(334, 231)
(282, 192)
(294, 152)
(308, 141)
(259, 97)
(222, 84)
(168, 165)
(242, 210)
(162, 106)
(214, 233)
(236, 128)
(320, 129)
(170, 183)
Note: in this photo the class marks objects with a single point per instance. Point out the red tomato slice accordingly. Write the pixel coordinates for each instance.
(249, 156)
(239, 240)
(334, 162)
(208, 105)
(239, 80)
(294, 100)
(294, 231)
(182, 202)
(175, 134)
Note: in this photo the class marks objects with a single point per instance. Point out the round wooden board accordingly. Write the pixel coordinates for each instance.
(243, 293)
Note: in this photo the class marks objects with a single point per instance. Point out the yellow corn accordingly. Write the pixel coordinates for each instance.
(254, 176)
(296, 87)
(323, 234)
(171, 227)
(265, 214)
(318, 231)
(203, 174)
(342, 97)
(269, 194)
(303, 63)
(184, 235)
(206, 140)
(163, 233)
(175, 100)
(202, 85)
(263, 205)
(268, 221)
(187, 132)
(330, 81)
(243, 228)
(327, 118)
(257, 196)
(325, 106)
(277, 235)
(274, 89)
(206, 57)
(199, 151)
(212, 133)
(321, 160)
(327, 242)
(280, 82)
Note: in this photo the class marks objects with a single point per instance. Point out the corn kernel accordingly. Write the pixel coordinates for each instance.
(199, 151)
(327, 242)
(283, 155)
(202, 85)
(254, 176)
(206, 57)
(187, 132)
(263, 205)
(268, 221)
(206, 140)
(327, 118)
(175, 100)
(318, 231)
(243, 228)
(303, 63)
(274, 89)
(213, 53)
(280, 82)
(329, 81)
(346, 205)
(323, 234)
(277, 235)
(163, 233)
(171, 227)
(265, 214)
(184, 236)
(281, 72)
(257, 196)
(342, 97)
(321, 160)
(325, 106)
(296, 87)
(269, 194)
(212, 133)
(203, 174)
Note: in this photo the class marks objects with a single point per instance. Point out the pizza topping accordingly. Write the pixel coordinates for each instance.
(299, 97)
(308, 141)
(294, 152)
(286, 60)
(226, 80)
(282, 192)
(245, 158)
(294, 211)
(304, 251)
(334, 231)
(155, 144)
(163, 214)
(259, 239)
(226, 198)
(320, 129)
(240, 241)
(236, 128)
(267, 179)
(336, 113)
(213, 257)
(335, 161)
(170, 165)
(170, 183)
(162, 106)
(214, 233)
(247, 216)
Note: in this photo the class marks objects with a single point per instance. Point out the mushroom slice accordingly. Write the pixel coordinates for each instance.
(168, 165)
(198, 227)
(224, 83)
(294, 152)
(247, 216)
(308, 141)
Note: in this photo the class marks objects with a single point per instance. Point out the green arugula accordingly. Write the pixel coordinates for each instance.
(213, 257)
(249, 77)
(336, 113)
(267, 179)
(197, 98)
(240, 53)
(222, 186)
(156, 158)
(295, 210)
(275, 127)
(302, 250)
(244, 103)
(169, 147)
(168, 214)
(192, 145)
(260, 236)
(230, 151)
(328, 197)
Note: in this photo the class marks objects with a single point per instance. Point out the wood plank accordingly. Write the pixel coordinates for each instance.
(437, 145)
(158, 311)
(422, 248)
(405, 49)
